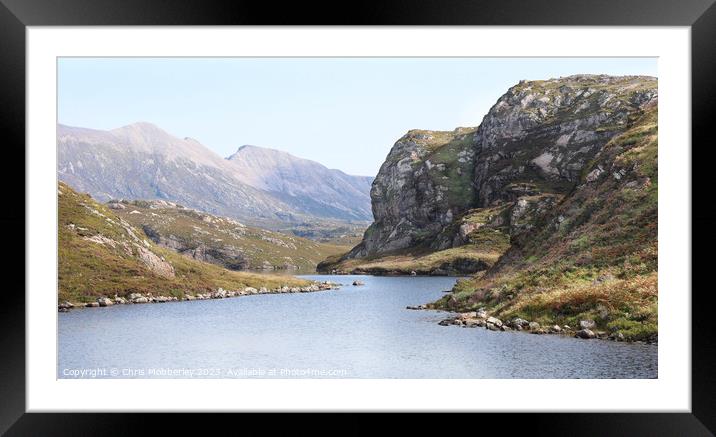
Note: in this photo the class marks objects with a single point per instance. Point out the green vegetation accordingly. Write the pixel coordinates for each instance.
(101, 254)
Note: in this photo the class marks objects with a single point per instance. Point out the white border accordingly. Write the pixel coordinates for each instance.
(670, 392)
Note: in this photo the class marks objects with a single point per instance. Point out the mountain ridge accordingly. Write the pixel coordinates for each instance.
(142, 161)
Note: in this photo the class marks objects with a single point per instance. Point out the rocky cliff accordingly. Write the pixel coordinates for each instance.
(530, 150)
(555, 193)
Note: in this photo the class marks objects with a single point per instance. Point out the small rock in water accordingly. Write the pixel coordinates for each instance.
(412, 273)
(617, 336)
(356, 282)
(418, 307)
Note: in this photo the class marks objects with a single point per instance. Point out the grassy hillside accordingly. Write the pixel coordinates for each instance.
(221, 240)
(101, 254)
(594, 256)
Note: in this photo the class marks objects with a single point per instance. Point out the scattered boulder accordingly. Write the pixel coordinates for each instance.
(534, 326)
(472, 323)
(616, 336)
(66, 305)
(587, 324)
(494, 321)
(585, 333)
(140, 299)
(481, 313)
(519, 323)
(556, 329)
(105, 302)
(92, 305)
(412, 273)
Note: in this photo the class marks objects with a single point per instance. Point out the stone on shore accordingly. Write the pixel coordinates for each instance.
(585, 333)
(92, 305)
(519, 323)
(494, 321)
(105, 302)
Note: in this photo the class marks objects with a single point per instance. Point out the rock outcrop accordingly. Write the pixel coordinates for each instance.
(530, 150)
(423, 185)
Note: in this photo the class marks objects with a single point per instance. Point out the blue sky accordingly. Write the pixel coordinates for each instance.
(345, 113)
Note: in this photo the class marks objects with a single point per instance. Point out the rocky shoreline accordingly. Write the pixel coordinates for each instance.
(480, 319)
(220, 293)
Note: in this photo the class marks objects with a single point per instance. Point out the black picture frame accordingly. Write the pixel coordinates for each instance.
(16, 15)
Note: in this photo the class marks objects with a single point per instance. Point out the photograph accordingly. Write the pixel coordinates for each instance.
(326, 217)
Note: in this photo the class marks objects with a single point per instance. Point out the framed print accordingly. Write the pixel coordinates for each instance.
(429, 210)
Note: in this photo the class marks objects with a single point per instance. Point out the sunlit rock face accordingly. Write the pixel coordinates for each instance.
(535, 141)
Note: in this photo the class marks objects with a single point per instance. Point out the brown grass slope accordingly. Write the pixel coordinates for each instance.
(101, 254)
(250, 247)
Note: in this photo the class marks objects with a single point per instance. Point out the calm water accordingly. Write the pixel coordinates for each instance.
(355, 332)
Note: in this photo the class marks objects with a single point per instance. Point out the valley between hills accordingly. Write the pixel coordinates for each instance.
(547, 208)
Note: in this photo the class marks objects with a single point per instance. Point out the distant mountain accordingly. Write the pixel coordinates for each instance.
(141, 161)
(304, 184)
